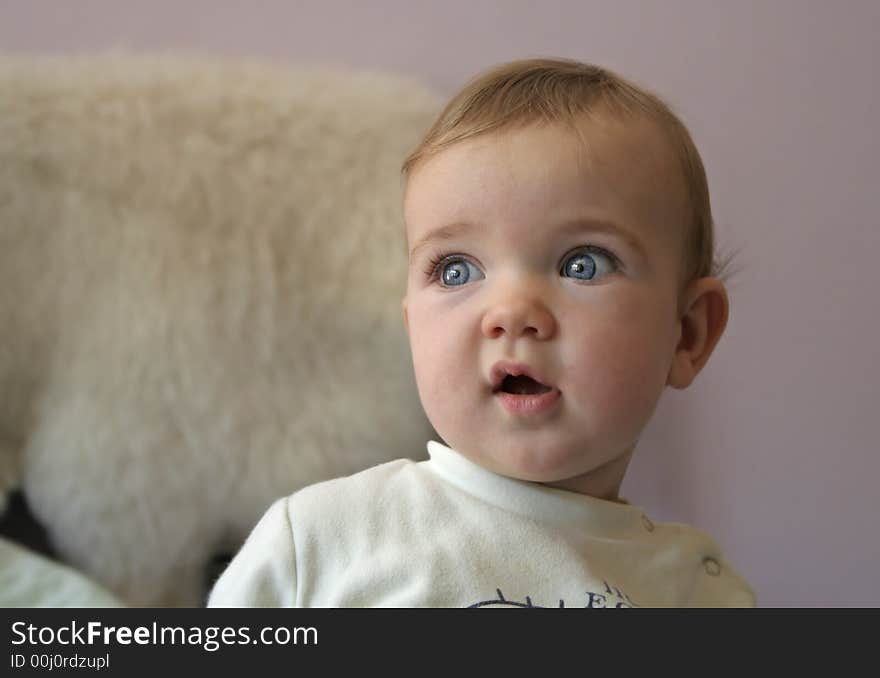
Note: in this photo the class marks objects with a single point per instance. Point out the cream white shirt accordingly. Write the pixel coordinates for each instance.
(448, 533)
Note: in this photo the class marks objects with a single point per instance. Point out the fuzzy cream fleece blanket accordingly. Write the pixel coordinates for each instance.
(28, 579)
(201, 267)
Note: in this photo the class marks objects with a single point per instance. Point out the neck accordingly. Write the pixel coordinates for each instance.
(602, 482)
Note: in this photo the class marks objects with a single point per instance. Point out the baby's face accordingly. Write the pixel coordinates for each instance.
(541, 296)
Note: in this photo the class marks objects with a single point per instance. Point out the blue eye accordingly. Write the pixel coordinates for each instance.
(456, 272)
(582, 265)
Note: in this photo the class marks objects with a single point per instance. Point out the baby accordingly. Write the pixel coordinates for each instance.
(561, 275)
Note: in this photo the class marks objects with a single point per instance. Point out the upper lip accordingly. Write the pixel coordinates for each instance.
(503, 368)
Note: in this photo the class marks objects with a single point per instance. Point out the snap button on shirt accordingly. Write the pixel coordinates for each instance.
(712, 566)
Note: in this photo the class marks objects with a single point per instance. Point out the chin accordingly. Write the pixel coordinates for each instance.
(543, 464)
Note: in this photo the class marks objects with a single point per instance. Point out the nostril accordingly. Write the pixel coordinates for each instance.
(521, 317)
(493, 330)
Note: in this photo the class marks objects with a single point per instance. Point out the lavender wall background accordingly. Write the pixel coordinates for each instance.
(774, 449)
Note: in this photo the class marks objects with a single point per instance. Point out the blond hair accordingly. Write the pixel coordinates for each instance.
(563, 91)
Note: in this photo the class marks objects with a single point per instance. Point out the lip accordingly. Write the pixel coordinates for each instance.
(522, 403)
(528, 404)
(502, 368)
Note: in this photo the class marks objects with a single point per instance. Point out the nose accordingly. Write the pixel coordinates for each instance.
(519, 315)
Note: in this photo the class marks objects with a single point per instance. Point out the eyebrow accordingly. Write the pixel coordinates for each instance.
(604, 226)
(447, 232)
(450, 231)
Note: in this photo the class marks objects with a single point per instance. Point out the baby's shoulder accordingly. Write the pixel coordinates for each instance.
(684, 535)
(353, 493)
(717, 582)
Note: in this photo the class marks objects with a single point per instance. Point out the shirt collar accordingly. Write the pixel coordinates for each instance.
(534, 500)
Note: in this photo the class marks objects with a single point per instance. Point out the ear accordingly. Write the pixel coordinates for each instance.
(704, 317)
(405, 314)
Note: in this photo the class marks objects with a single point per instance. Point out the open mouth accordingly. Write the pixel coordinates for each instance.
(522, 385)
(521, 391)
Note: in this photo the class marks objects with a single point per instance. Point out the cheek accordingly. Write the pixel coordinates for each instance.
(439, 356)
(619, 366)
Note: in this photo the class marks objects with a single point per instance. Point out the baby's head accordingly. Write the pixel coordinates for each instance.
(561, 270)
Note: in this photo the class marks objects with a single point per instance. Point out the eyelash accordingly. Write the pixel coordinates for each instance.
(432, 270)
(434, 266)
(616, 264)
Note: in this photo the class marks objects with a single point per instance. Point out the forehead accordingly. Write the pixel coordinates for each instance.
(604, 168)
